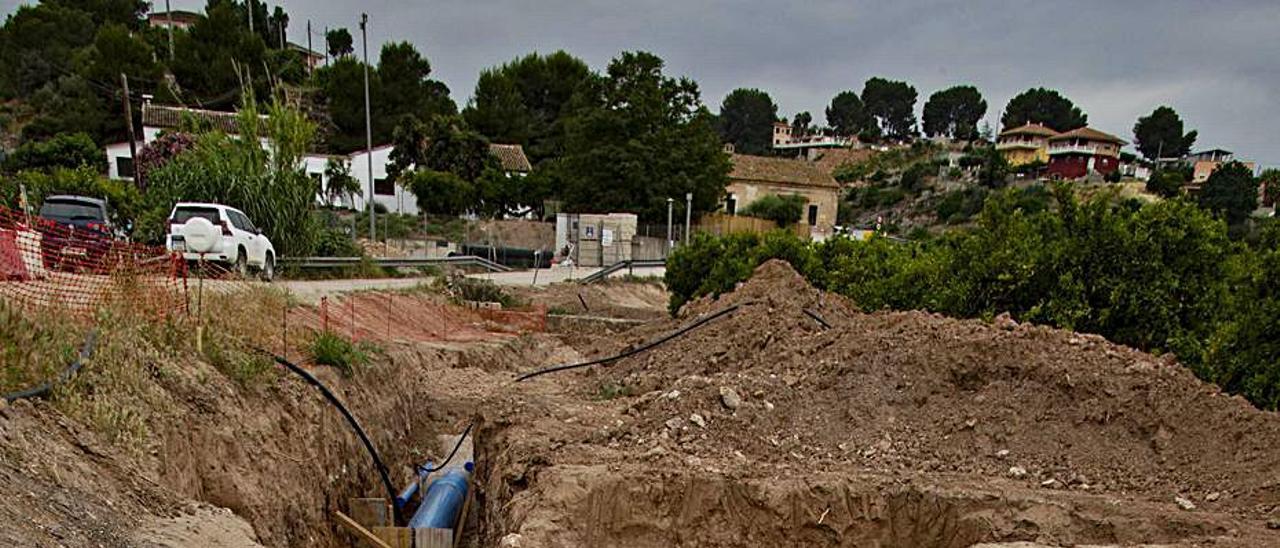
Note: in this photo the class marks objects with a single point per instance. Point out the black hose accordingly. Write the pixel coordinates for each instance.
(633, 351)
(433, 469)
(816, 317)
(355, 425)
(44, 388)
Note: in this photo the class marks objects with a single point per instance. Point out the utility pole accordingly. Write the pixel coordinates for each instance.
(326, 45)
(368, 122)
(310, 52)
(250, 4)
(168, 13)
(688, 215)
(128, 124)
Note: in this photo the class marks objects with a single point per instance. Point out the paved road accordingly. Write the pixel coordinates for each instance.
(312, 290)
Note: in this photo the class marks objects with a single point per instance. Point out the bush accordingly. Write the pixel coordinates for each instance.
(913, 178)
(1167, 184)
(961, 205)
(331, 349)
(63, 151)
(783, 210)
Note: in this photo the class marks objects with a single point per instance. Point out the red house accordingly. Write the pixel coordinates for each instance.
(1082, 151)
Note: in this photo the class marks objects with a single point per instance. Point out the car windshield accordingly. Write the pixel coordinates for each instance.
(185, 213)
(71, 210)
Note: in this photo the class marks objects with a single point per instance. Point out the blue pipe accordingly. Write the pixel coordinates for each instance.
(410, 490)
(443, 500)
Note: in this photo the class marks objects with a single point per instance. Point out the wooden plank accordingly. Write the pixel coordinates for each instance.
(462, 516)
(370, 513)
(359, 531)
(433, 538)
(395, 537)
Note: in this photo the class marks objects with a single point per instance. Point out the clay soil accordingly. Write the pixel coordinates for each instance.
(761, 428)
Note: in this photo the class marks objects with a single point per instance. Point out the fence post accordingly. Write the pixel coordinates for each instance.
(324, 313)
(352, 317)
(284, 329)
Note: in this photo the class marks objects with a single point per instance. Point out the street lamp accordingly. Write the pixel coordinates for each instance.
(688, 214)
(670, 241)
(368, 125)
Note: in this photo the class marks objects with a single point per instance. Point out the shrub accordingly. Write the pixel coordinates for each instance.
(331, 349)
(961, 205)
(783, 210)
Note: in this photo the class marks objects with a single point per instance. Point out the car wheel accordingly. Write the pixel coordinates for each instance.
(269, 268)
(242, 264)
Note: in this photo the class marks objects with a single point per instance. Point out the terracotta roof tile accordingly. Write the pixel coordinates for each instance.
(511, 157)
(171, 117)
(780, 170)
(1090, 134)
(1030, 129)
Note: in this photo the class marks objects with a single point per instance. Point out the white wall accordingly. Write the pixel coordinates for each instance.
(402, 201)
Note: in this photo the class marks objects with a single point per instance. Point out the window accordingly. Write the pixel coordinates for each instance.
(731, 205)
(384, 187)
(813, 214)
(124, 166)
(238, 220)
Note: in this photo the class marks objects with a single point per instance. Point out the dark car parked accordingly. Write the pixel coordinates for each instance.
(77, 232)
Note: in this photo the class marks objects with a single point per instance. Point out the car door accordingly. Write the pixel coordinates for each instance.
(258, 247)
(241, 237)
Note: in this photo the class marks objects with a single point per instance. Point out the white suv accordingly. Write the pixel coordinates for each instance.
(242, 244)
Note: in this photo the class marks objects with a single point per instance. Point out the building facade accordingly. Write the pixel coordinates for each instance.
(754, 177)
(1083, 151)
(1025, 144)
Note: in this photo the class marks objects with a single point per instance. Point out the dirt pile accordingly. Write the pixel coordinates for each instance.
(903, 429)
(908, 392)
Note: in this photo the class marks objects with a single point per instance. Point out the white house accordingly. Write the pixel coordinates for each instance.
(159, 118)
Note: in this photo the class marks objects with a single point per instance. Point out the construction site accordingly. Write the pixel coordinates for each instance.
(775, 415)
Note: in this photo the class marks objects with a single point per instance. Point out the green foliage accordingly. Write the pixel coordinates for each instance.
(913, 178)
(954, 112)
(638, 137)
(272, 189)
(891, 104)
(847, 116)
(331, 349)
(711, 266)
(525, 102)
(1231, 192)
(441, 192)
(341, 184)
(802, 124)
(993, 170)
(961, 205)
(463, 289)
(122, 196)
(1160, 134)
(1043, 106)
(746, 120)
(67, 150)
(1113, 176)
(783, 210)
(338, 42)
(34, 346)
(1270, 181)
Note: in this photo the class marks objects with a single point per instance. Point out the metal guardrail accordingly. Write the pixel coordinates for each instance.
(618, 266)
(394, 262)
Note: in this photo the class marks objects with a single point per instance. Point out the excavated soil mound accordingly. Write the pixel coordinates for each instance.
(796, 420)
(911, 391)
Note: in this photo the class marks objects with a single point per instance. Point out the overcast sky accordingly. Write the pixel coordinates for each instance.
(1217, 63)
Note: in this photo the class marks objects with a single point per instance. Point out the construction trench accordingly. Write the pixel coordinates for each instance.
(772, 416)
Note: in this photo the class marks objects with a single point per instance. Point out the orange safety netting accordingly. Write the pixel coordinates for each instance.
(81, 268)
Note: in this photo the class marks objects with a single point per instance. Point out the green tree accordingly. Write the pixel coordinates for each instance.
(338, 42)
(341, 83)
(38, 43)
(525, 102)
(1043, 106)
(638, 137)
(746, 120)
(1160, 134)
(993, 171)
(1231, 192)
(68, 105)
(215, 53)
(891, 104)
(341, 184)
(441, 192)
(1270, 183)
(802, 124)
(846, 115)
(407, 88)
(1166, 183)
(954, 112)
(65, 150)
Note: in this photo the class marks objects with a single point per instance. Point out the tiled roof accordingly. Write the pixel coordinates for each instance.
(511, 157)
(1030, 129)
(780, 170)
(171, 116)
(831, 158)
(1090, 134)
